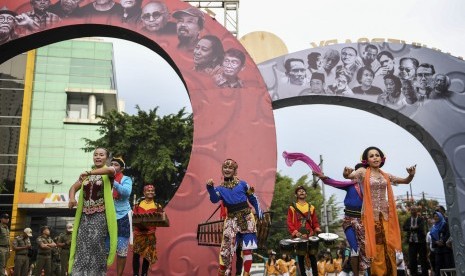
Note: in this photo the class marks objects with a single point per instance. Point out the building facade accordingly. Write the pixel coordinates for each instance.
(51, 99)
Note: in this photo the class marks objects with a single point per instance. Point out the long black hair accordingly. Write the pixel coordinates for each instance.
(365, 156)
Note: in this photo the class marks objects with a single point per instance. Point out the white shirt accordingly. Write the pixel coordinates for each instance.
(429, 241)
(400, 257)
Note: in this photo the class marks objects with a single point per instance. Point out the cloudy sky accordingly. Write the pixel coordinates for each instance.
(337, 133)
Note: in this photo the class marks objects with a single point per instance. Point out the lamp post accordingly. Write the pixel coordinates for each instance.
(53, 183)
(325, 208)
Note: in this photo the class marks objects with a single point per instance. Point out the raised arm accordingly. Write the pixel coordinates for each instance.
(332, 182)
(125, 187)
(214, 195)
(411, 173)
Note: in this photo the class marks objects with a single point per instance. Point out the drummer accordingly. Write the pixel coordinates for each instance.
(302, 222)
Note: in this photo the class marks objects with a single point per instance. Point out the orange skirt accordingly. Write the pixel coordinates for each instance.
(145, 246)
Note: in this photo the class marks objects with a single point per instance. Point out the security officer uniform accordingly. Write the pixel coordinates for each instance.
(21, 255)
(56, 268)
(65, 238)
(44, 255)
(4, 243)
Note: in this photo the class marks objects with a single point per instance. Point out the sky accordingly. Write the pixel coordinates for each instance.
(339, 134)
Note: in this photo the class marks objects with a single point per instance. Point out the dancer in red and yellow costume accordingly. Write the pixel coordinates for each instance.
(145, 240)
(302, 222)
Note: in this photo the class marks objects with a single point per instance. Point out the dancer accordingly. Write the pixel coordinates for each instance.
(95, 219)
(239, 226)
(122, 187)
(302, 222)
(352, 223)
(145, 240)
(382, 231)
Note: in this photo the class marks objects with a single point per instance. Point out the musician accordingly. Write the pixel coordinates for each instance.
(239, 226)
(144, 237)
(302, 222)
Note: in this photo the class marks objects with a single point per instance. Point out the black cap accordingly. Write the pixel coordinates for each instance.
(5, 10)
(298, 188)
(5, 216)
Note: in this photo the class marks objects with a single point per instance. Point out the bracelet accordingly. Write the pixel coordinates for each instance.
(88, 172)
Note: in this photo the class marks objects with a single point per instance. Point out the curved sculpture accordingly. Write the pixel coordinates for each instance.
(419, 89)
(232, 110)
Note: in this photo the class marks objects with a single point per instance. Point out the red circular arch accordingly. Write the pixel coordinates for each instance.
(233, 123)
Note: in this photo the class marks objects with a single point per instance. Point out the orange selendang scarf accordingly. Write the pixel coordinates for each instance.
(393, 231)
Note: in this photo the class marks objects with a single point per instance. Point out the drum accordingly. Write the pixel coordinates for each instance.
(313, 245)
(301, 246)
(287, 246)
(328, 238)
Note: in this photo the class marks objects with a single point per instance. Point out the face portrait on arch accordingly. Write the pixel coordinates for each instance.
(409, 92)
(407, 69)
(7, 26)
(69, 5)
(203, 52)
(231, 65)
(296, 72)
(348, 56)
(441, 83)
(424, 77)
(154, 16)
(40, 5)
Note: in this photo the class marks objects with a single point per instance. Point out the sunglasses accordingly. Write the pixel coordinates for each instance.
(408, 70)
(154, 15)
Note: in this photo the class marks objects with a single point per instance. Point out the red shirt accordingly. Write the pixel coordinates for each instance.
(294, 219)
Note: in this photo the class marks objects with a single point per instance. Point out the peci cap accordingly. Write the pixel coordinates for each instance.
(190, 11)
(69, 227)
(28, 232)
(5, 10)
(4, 216)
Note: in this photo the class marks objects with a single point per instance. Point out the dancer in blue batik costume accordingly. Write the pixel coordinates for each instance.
(239, 225)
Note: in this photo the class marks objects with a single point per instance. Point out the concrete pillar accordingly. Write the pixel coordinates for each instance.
(92, 107)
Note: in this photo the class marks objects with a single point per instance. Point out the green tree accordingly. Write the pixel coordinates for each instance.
(156, 149)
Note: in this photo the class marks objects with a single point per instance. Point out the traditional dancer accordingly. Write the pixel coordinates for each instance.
(239, 226)
(145, 240)
(95, 219)
(352, 223)
(382, 231)
(122, 187)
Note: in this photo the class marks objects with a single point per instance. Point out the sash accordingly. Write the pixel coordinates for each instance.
(110, 215)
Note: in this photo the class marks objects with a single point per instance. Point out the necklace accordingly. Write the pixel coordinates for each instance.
(230, 183)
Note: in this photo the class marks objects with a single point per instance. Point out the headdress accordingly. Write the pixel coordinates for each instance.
(230, 162)
(120, 161)
(148, 186)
